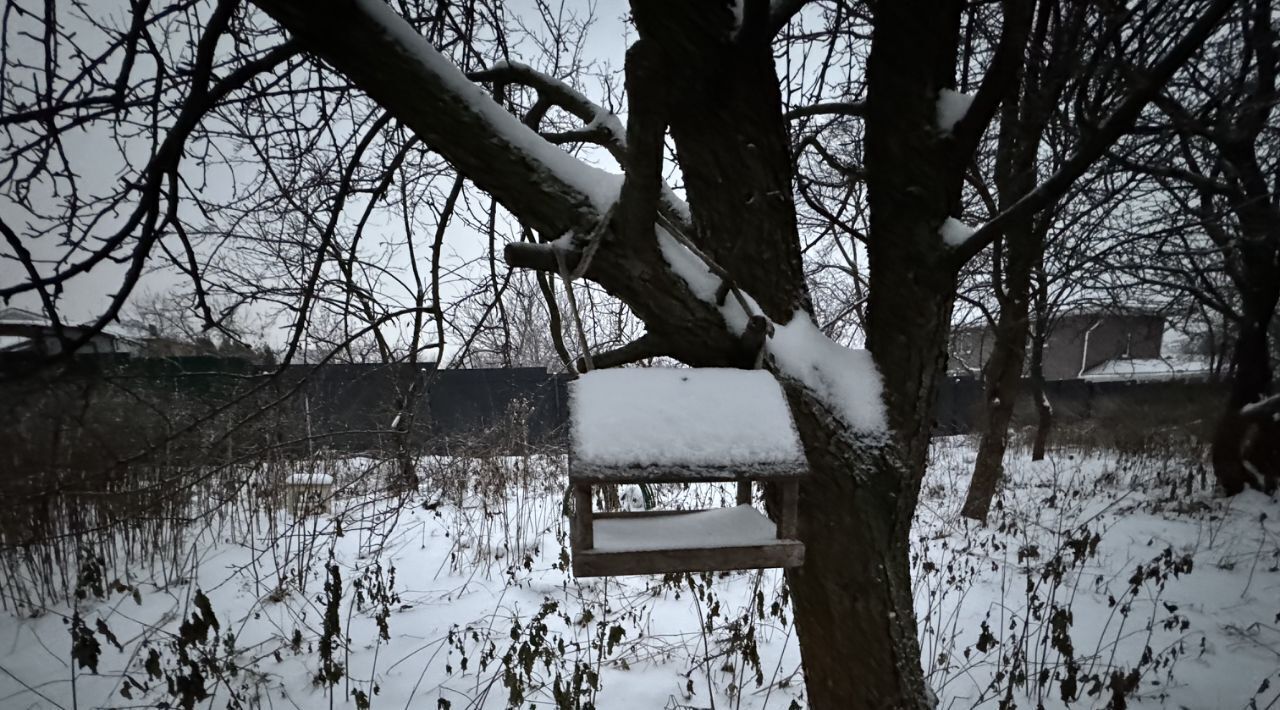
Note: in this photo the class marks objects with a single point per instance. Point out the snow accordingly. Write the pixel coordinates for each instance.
(846, 379)
(688, 267)
(954, 232)
(635, 417)
(309, 479)
(704, 284)
(739, 526)
(599, 186)
(464, 592)
(1147, 369)
(952, 106)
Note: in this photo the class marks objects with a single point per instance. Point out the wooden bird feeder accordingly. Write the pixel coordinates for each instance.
(308, 493)
(665, 425)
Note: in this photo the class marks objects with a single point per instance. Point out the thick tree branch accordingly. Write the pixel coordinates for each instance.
(857, 109)
(382, 54)
(642, 348)
(601, 127)
(1001, 76)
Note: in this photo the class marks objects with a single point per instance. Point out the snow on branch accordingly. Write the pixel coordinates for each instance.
(1263, 408)
(382, 54)
(844, 379)
(954, 233)
(856, 109)
(599, 186)
(601, 126)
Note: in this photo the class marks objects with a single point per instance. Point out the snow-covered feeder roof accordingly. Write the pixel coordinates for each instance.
(666, 424)
(309, 479)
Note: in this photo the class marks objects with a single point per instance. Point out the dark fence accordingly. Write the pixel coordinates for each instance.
(1122, 406)
(90, 410)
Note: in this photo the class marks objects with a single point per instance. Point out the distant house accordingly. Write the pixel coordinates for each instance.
(1112, 346)
(1175, 367)
(29, 333)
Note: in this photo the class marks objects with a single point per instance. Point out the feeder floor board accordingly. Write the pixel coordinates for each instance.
(707, 540)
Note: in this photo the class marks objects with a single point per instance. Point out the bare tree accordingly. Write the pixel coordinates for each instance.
(1024, 121)
(706, 77)
(1211, 153)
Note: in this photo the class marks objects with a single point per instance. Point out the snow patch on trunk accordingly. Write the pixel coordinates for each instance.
(954, 232)
(844, 378)
(952, 106)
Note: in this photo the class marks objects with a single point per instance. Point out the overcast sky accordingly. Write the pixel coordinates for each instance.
(86, 296)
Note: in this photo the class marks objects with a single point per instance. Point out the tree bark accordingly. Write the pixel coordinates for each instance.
(1039, 334)
(1250, 382)
(1023, 246)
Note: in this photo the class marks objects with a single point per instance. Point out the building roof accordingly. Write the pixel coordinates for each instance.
(1148, 369)
(21, 316)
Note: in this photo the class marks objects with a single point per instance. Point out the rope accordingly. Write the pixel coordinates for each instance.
(727, 283)
(593, 245)
(587, 365)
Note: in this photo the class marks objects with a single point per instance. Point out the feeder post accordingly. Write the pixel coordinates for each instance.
(744, 492)
(788, 519)
(583, 526)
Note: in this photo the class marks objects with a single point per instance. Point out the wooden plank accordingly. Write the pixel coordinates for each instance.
(788, 515)
(593, 563)
(582, 532)
(580, 471)
(744, 492)
(603, 515)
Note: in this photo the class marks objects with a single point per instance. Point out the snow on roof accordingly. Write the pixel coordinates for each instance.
(952, 106)
(1127, 369)
(309, 479)
(21, 316)
(681, 418)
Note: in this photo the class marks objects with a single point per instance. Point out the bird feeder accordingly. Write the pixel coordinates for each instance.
(665, 425)
(308, 493)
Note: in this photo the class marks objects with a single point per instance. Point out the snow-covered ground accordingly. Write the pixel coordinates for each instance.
(1098, 571)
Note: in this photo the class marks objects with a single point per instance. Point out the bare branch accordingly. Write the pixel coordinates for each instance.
(1103, 138)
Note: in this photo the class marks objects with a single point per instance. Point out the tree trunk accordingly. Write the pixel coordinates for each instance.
(1003, 375)
(852, 598)
(1250, 382)
(1024, 117)
(1044, 408)
(1258, 278)
(1023, 247)
(859, 650)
